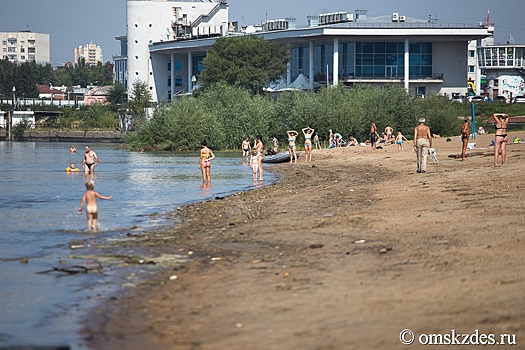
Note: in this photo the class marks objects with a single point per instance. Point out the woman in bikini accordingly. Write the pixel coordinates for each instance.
(259, 147)
(500, 142)
(308, 132)
(292, 135)
(205, 163)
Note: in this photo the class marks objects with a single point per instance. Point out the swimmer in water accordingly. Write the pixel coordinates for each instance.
(90, 198)
(71, 168)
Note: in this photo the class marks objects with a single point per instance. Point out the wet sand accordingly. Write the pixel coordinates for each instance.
(344, 253)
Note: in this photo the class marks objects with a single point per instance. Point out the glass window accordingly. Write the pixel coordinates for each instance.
(471, 53)
(178, 65)
(368, 47)
(391, 48)
(178, 80)
(379, 47)
(169, 67)
(31, 42)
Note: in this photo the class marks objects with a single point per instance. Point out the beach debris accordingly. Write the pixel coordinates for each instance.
(328, 215)
(216, 258)
(359, 241)
(24, 260)
(61, 261)
(190, 253)
(173, 277)
(238, 325)
(257, 261)
(286, 274)
(385, 250)
(316, 245)
(74, 269)
(219, 198)
(76, 244)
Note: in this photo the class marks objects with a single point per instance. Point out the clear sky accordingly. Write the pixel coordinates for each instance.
(72, 23)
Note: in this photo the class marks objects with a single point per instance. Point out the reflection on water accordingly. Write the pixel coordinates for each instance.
(39, 199)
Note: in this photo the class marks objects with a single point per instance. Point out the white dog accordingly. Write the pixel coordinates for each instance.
(432, 153)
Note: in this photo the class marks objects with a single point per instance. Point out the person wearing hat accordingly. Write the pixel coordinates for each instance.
(422, 142)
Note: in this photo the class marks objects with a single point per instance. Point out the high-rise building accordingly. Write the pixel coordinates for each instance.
(25, 46)
(91, 53)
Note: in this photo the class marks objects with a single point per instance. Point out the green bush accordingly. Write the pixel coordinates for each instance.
(226, 115)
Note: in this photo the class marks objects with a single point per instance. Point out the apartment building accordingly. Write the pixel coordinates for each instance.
(92, 54)
(25, 46)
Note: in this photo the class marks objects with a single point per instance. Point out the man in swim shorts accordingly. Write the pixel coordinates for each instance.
(90, 161)
(373, 134)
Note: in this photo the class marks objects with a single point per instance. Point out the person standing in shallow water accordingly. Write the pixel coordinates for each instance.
(90, 198)
(422, 142)
(206, 156)
(90, 161)
(259, 147)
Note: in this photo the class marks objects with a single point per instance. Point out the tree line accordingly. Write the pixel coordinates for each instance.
(225, 115)
(26, 76)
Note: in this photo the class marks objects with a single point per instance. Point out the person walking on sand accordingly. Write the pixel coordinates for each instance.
(246, 149)
(465, 134)
(308, 132)
(254, 163)
(373, 134)
(90, 198)
(399, 141)
(259, 147)
(72, 149)
(90, 161)
(501, 138)
(292, 135)
(422, 142)
(206, 156)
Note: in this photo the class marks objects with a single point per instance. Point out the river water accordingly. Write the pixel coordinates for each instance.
(38, 220)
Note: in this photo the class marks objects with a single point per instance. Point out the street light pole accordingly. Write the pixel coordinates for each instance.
(51, 90)
(14, 99)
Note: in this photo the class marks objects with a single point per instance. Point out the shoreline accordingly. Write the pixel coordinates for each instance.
(340, 255)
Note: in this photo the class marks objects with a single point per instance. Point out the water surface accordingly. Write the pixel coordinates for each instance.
(38, 202)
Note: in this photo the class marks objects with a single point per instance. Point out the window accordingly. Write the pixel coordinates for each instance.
(4, 42)
(31, 42)
(22, 49)
(169, 66)
(380, 59)
(471, 69)
(178, 65)
(4, 49)
(471, 53)
(31, 50)
(22, 42)
(22, 57)
(420, 91)
(11, 49)
(178, 80)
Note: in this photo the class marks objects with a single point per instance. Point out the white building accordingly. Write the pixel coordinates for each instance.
(157, 21)
(25, 46)
(167, 41)
(92, 54)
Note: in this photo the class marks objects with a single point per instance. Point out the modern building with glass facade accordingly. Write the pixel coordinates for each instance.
(424, 56)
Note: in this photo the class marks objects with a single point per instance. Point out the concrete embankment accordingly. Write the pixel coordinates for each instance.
(66, 136)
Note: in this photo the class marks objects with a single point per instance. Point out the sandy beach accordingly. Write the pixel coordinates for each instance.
(344, 252)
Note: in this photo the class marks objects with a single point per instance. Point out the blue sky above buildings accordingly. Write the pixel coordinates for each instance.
(72, 23)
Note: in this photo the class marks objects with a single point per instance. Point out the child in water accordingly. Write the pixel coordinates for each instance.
(254, 163)
(71, 168)
(90, 197)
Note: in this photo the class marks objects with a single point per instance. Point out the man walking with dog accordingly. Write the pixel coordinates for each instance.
(422, 142)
